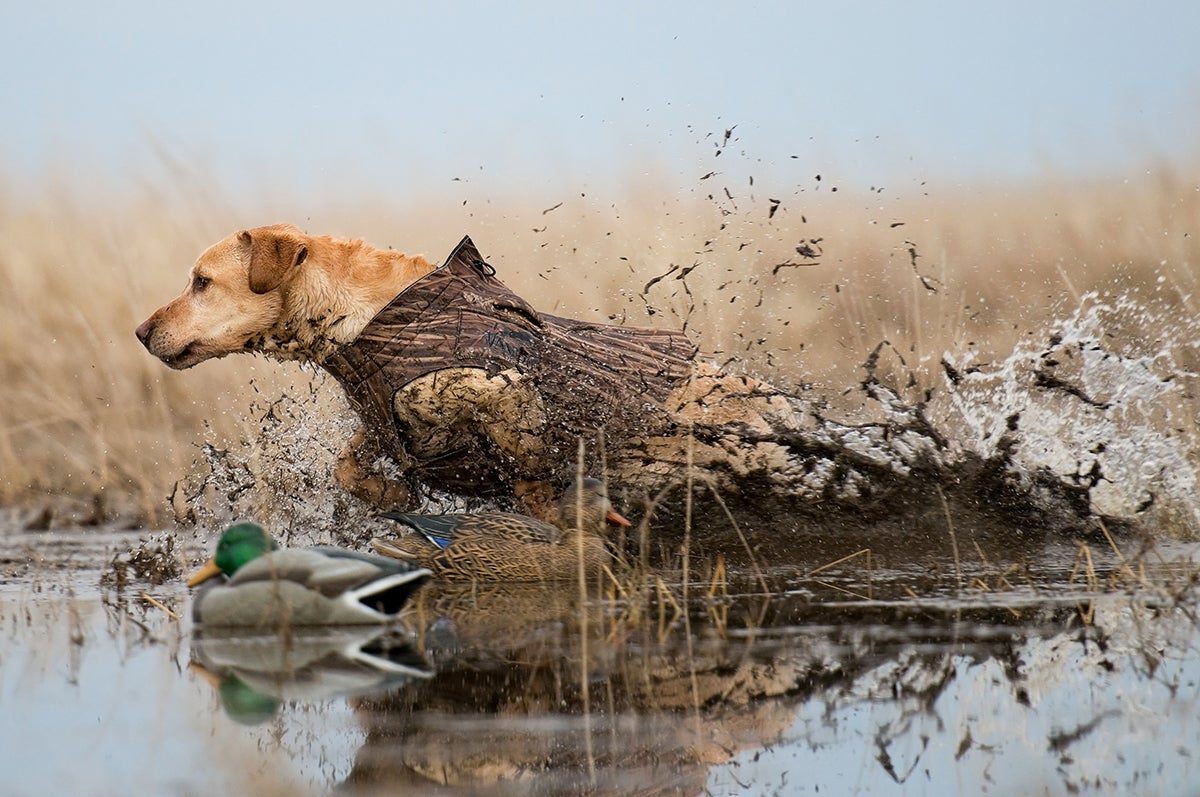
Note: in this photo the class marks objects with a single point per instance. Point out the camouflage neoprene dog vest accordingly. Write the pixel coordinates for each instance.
(588, 376)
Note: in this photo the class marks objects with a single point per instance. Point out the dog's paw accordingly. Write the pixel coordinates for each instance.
(367, 486)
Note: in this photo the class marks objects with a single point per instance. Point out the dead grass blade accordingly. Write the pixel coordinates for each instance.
(159, 605)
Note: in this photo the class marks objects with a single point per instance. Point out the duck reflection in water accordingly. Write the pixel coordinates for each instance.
(254, 673)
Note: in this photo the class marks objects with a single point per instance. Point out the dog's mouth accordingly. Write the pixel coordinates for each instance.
(189, 355)
(180, 359)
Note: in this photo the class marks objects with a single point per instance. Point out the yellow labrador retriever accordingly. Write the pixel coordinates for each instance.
(469, 408)
(277, 291)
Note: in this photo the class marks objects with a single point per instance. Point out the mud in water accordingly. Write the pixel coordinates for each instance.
(1067, 669)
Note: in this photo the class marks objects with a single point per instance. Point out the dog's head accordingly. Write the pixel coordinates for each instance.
(233, 297)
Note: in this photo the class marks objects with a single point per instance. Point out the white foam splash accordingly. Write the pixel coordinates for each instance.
(1105, 399)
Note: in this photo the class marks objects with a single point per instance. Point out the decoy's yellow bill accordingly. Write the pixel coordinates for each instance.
(213, 679)
(206, 572)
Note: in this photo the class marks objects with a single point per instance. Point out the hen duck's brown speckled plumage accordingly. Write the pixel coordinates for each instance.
(499, 546)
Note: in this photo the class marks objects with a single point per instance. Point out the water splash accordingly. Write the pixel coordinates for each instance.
(282, 474)
(1105, 400)
(1092, 417)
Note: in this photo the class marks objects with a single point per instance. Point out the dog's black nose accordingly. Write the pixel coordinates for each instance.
(144, 329)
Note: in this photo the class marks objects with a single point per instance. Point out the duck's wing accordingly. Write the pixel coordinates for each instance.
(348, 558)
(442, 530)
(388, 590)
(331, 572)
(438, 529)
(520, 529)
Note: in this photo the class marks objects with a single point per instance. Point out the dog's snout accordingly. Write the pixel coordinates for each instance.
(144, 330)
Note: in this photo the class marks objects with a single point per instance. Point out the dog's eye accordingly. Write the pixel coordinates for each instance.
(200, 283)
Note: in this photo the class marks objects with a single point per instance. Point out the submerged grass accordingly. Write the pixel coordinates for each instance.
(798, 285)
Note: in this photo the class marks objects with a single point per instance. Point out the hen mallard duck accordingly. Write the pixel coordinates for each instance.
(263, 585)
(500, 546)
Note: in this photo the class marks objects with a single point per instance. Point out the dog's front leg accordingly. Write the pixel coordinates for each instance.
(354, 473)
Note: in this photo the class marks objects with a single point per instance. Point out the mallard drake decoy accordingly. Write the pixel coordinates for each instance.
(499, 546)
(264, 585)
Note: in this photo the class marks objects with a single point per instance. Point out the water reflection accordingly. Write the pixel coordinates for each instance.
(653, 702)
(254, 672)
(1042, 681)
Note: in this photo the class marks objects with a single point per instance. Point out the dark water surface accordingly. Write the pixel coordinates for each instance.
(1073, 671)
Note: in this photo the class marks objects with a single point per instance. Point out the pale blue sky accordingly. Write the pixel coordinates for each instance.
(530, 94)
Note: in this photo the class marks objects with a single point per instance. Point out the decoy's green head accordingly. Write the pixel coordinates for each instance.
(245, 704)
(241, 543)
(242, 702)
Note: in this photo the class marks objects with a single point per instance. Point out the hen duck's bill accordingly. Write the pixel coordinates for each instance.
(613, 516)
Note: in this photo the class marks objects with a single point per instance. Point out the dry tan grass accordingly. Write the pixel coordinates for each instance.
(96, 428)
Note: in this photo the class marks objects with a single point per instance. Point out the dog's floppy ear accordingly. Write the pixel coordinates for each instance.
(274, 256)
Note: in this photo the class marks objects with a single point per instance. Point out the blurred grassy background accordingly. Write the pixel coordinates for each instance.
(799, 285)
